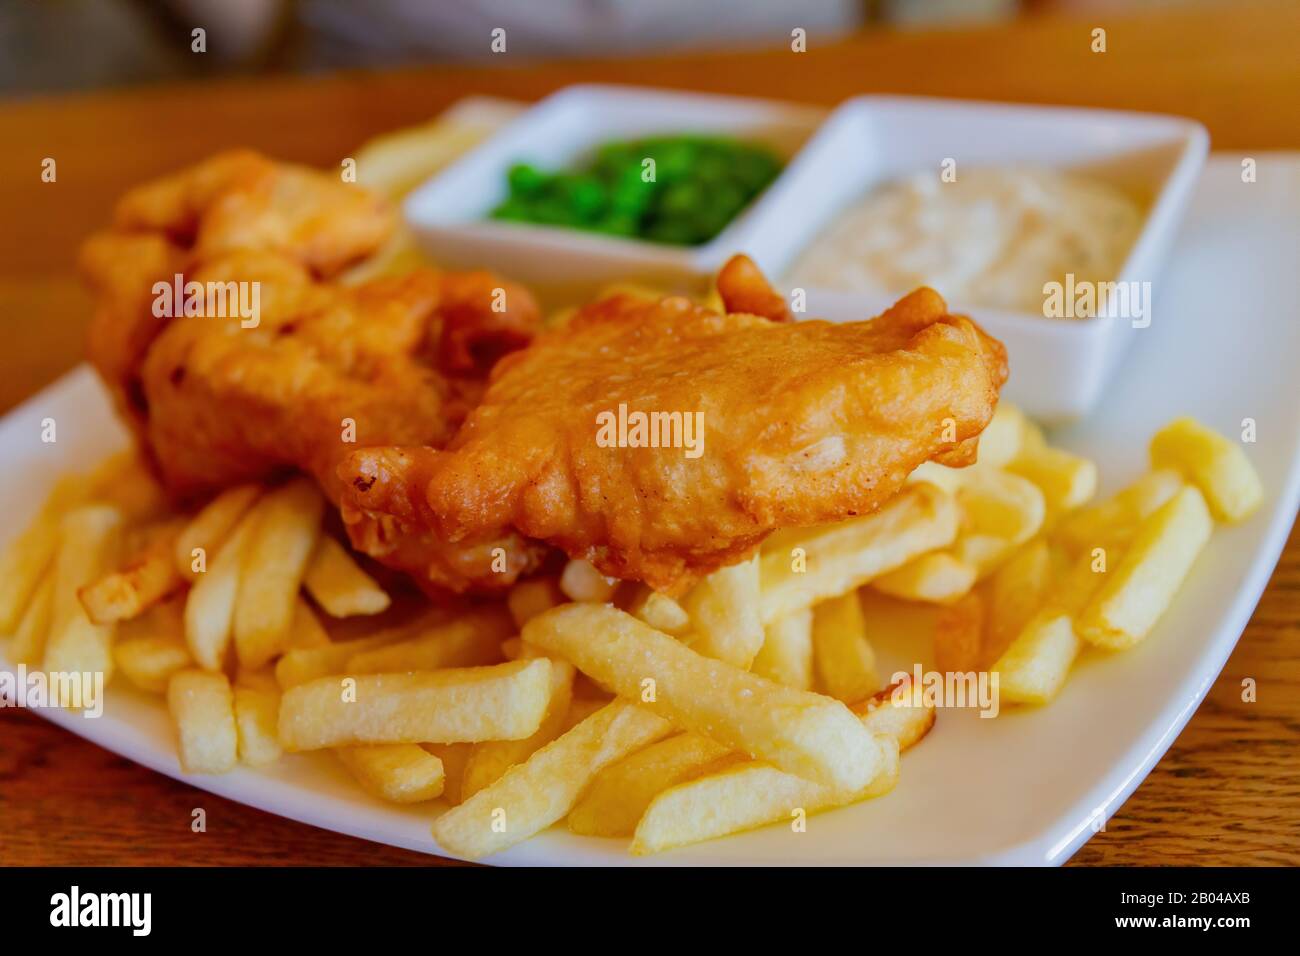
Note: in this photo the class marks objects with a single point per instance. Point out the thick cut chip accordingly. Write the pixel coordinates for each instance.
(936, 578)
(534, 794)
(492, 758)
(744, 796)
(800, 569)
(398, 773)
(724, 614)
(787, 652)
(88, 546)
(619, 795)
(1216, 465)
(801, 732)
(339, 585)
(273, 564)
(1139, 589)
(463, 704)
(257, 713)
(203, 711)
(845, 662)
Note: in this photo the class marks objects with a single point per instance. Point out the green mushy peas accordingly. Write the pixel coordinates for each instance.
(694, 187)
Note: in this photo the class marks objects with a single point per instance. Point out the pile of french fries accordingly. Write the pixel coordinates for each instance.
(754, 698)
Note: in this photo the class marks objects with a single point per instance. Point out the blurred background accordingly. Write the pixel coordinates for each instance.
(68, 45)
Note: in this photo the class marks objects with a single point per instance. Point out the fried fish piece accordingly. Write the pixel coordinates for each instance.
(799, 423)
(218, 399)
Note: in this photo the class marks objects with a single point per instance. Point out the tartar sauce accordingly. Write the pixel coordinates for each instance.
(993, 237)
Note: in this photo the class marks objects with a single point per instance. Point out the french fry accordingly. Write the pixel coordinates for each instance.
(619, 794)
(787, 652)
(210, 605)
(1141, 586)
(842, 655)
(897, 712)
(1033, 669)
(256, 721)
(1067, 481)
(146, 579)
(746, 795)
(841, 557)
(208, 529)
(398, 773)
(149, 662)
(1083, 579)
(1013, 594)
(28, 644)
(730, 795)
(1217, 466)
(580, 581)
(801, 732)
(532, 795)
(723, 610)
(935, 578)
(472, 639)
(272, 567)
(300, 665)
(1000, 511)
(1007, 436)
(527, 599)
(88, 543)
(492, 758)
(339, 585)
(1001, 504)
(27, 557)
(501, 702)
(659, 611)
(983, 552)
(958, 630)
(306, 630)
(203, 712)
(453, 758)
(1114, 521)
(397, 162)
(151, 648)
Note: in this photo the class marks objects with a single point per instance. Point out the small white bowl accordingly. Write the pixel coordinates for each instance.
(449, 214)
(1059, 367)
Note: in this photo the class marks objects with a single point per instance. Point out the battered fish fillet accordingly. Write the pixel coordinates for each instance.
(802, 423)
(328, 367)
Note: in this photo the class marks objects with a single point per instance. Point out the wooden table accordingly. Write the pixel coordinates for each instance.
(1228, 792)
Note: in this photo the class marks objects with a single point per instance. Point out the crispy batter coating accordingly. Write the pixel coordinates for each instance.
(327, 367)
(803, 423)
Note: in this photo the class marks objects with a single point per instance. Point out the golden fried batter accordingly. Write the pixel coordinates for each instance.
(217, 400)
(802, 423)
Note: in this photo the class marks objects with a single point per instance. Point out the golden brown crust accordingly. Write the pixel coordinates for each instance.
(218, 400)
(803, 423)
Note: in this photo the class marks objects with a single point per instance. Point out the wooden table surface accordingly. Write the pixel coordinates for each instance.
(1228, 792)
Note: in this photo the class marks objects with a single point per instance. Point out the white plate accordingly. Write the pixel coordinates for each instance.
(1025, 788)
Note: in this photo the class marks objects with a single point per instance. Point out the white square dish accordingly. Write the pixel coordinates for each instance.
(1059, 367)
(449, 213)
